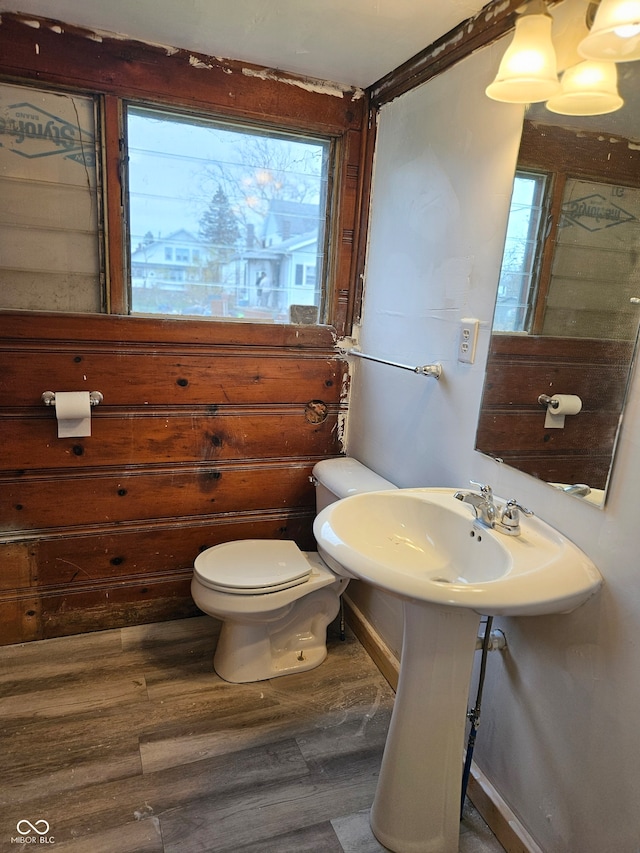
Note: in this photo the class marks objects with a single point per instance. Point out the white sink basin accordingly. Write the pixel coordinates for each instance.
(424, 545)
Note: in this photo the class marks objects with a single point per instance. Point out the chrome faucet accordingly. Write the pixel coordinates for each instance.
(483, 505)
(505, 520)
(579, 489)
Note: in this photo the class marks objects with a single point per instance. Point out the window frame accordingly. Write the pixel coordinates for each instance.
(116, 70)
(120, 292)
(328, 310)
(327, 208)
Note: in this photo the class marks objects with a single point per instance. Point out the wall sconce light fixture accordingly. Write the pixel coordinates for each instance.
(587, 89)
(615, 34)
(528, 71)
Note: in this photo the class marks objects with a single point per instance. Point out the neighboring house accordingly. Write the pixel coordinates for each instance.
(287, 255)
(168, 262)
(173, 274)
(275, 270)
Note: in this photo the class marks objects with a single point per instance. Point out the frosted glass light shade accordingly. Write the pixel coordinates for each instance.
(528, 71)
(587, 89)
(615, 34)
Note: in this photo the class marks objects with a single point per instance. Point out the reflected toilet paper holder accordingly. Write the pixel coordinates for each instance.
(558, 407)
(49, 398)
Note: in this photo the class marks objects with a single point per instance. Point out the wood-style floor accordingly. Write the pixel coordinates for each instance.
(126, 741)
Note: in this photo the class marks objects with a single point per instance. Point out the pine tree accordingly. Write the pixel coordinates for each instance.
(219, 226)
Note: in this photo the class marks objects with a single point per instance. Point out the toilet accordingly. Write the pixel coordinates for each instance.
(274, 600)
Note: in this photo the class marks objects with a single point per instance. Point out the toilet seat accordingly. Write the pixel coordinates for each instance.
(252, 566)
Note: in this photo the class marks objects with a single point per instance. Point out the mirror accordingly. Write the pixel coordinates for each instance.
(568, 302)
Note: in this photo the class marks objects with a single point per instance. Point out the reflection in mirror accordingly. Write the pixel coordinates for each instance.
(568, 301)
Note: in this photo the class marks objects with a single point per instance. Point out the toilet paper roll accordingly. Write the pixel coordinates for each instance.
(568, 404)
(73, 412)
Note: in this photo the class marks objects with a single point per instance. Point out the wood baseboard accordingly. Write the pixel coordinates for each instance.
(495, 812)
(375, 646)
(498, 816)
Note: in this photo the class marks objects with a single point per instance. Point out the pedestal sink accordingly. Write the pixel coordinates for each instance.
(427, 548)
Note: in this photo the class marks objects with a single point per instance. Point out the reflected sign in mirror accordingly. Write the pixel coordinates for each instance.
(568, 301)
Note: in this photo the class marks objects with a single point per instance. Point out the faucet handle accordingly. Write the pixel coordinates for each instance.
(512, 504)
(485, 490)
(510, 517)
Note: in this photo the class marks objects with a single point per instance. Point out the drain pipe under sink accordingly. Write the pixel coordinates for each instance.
(491, 641)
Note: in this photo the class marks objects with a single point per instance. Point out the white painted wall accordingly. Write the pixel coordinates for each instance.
(558, 737)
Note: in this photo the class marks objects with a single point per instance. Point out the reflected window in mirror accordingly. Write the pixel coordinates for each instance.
(517, 286)
(567, 268)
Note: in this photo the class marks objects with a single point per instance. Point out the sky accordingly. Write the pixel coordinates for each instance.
(175, 168)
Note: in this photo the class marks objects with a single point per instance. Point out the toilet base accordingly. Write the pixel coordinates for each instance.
(296, 641)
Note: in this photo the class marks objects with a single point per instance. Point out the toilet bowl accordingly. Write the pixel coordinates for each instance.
(275, 601)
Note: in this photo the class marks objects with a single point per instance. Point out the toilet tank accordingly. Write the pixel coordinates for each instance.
(338, 478)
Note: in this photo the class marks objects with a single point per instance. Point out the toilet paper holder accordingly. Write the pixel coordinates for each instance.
(549, 402)
(49, 398)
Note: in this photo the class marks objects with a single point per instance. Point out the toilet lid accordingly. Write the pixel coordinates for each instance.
(252, 566)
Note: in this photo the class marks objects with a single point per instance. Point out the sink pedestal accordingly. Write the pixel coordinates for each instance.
(417, 803)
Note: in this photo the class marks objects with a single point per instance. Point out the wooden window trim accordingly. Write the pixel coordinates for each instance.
(579, 154)
(53, 54)
(116, 289)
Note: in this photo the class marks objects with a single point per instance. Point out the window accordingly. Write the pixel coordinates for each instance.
(517, 286)
(305, 275)
(110, 207)
(50, 217)
(243, 201)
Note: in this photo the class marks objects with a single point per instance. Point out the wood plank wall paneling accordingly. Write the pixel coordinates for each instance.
(511, 422)
(70, 583)
(209, 430)
(196, 442)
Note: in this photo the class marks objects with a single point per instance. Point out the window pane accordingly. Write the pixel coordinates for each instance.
(221, 217)
(516, 288)
(49, 216)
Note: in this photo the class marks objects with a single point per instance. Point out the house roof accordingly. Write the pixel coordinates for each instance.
(288, 219)
(181, 237)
